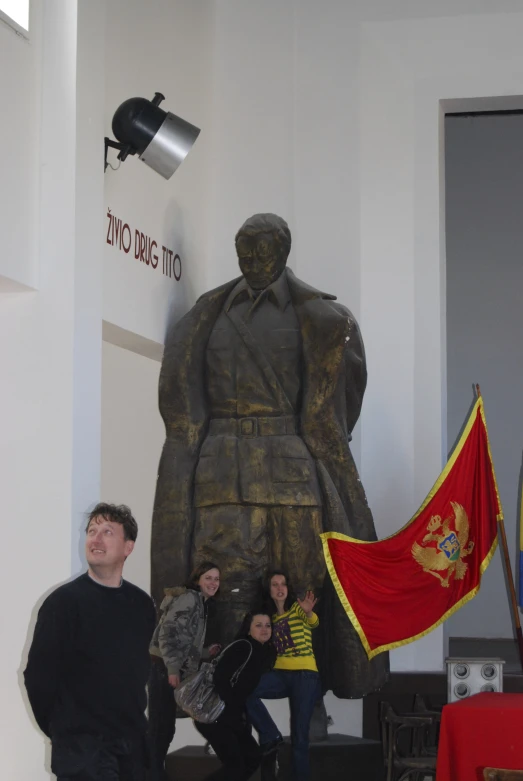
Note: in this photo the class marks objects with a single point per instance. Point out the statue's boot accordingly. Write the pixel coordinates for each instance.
(319, 722)
(269, 768)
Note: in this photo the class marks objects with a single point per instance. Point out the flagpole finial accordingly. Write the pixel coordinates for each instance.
(478, 391)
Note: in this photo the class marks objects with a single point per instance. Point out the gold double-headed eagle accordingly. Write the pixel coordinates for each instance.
(451, 546)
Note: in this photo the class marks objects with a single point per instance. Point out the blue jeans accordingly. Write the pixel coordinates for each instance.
(302, 687)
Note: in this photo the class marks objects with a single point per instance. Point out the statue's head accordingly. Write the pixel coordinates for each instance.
(263, 244)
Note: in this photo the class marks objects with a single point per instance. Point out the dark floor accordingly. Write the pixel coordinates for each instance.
(340, 757)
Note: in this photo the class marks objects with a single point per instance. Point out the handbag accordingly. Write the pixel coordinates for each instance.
(196, 694)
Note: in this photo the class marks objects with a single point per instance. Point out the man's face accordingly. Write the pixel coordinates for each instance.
(261, 259)
(105, 545)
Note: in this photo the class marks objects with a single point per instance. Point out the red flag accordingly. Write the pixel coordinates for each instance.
(401, 588)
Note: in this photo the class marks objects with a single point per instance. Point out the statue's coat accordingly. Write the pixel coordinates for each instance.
(333, 387)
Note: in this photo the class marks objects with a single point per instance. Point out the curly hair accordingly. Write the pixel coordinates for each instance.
(115, 513)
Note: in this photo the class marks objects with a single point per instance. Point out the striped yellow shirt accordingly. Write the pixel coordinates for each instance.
(292, 639)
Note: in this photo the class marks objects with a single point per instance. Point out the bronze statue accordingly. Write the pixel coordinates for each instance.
(261, 385)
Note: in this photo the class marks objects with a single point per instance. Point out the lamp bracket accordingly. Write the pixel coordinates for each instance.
(125, 149)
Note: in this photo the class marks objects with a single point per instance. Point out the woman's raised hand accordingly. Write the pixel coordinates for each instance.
(307, 603)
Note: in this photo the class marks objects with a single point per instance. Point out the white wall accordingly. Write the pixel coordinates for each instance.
(164, 46)
(411, 68)
(48, 342)
(20, 142)
(132, 436)
(88, 268)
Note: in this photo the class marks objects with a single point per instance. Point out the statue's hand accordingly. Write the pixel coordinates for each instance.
(307, 604)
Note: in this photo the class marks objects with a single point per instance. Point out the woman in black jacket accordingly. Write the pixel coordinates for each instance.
(230, 736)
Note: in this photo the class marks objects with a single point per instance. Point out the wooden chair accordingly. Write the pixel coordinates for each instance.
(401, 764)
(496, 774)
(426, 742)
(421, 705)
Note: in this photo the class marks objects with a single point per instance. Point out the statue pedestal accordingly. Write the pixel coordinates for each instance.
(354, 759)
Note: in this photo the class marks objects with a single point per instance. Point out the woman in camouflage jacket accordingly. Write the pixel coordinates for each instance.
(176, 650)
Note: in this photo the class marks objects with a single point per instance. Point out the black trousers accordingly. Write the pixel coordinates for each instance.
(235, 748)
(162, 719)
(91, 758)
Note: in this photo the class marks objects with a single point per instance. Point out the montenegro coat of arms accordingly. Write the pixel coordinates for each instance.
(451, 546)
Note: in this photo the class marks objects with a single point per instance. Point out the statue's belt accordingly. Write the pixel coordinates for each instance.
(253, 426)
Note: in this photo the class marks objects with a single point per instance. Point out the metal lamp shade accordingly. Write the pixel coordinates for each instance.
(170, 145)
(159, 138)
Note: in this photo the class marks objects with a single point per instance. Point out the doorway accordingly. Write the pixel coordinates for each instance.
(484, 320)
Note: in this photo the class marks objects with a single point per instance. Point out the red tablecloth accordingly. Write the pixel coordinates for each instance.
(485, 730)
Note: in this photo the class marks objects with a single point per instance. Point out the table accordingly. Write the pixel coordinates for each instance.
(485, 730)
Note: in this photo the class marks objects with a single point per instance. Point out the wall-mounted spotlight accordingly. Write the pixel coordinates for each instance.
(159, 138)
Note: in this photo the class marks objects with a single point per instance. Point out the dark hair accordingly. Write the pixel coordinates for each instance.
(267, 590)
(200, 570)
(267, 223)
(261, 610)
(243, 634)
(115, 513)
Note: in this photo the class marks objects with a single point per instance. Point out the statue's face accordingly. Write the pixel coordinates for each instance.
(261, 259)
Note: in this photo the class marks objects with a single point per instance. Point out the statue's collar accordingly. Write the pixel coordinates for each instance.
(300, 291)
(277, 292)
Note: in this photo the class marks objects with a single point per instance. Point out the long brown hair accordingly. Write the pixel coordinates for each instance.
(200, 570)
(270, 603)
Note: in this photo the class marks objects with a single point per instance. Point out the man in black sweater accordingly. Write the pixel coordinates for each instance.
(89, 660)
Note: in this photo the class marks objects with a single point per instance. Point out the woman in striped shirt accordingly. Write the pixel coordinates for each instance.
(295, 674)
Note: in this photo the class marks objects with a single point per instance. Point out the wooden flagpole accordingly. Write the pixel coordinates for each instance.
(508, 567)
